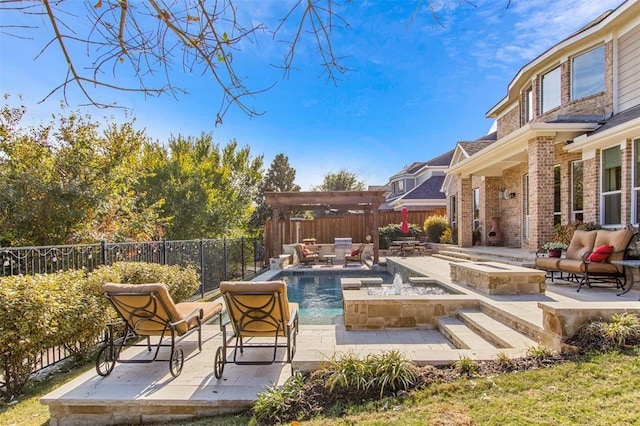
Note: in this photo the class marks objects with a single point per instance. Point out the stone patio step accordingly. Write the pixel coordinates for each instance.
(500, 334)
(461, 335)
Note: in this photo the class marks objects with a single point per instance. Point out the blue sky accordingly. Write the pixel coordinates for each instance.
(415, 90)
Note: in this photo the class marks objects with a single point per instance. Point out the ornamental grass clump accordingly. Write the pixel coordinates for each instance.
(621, 331)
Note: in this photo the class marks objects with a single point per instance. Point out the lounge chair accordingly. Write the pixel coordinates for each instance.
(355, 256)
(259, 314)
(148, 310)
(306, 256)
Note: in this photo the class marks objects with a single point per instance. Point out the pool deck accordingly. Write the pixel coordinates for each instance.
(137, 393)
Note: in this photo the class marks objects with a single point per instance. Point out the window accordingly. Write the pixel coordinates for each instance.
(577, 208)
(528, 107)
(550, 90)
(398, 187)
(476, 209)
(611, 186)
(557, 202)
(587, 73)
(636, 181)
(453, 212)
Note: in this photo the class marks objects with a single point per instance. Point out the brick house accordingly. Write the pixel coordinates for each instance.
(418, 186)
(567, 145)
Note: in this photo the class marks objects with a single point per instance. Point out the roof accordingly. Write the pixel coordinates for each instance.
(618, 119)
(473, 147)
(427, 190)
(413, 168)
(441, 160)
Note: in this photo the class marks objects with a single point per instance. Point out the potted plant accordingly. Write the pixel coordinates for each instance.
(554, 248)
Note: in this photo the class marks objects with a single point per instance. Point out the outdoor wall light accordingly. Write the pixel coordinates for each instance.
(504, 193)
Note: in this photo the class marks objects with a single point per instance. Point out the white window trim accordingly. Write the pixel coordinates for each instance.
(575, 212)
(634, 189)
(603, 194)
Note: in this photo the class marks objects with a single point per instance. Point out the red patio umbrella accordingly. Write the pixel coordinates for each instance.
(404, 228)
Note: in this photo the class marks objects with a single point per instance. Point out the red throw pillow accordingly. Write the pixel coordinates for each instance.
(355, 252)
(306, 252)
(600, 254)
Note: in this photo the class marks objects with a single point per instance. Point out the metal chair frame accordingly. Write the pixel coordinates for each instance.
(139, 316)
(269, 314)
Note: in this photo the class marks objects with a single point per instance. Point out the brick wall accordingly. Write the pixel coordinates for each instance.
(512, 209)
(509, 122)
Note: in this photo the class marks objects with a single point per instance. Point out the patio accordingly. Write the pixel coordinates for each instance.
(147, 392)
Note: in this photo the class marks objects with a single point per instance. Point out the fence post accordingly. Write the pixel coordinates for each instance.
(202, 266)
(164, 251)
(242, 256)
(103, 252)
(224, 258)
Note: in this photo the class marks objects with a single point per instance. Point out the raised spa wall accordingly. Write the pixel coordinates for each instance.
(363, 311)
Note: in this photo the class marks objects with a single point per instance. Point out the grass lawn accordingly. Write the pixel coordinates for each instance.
(595, 390)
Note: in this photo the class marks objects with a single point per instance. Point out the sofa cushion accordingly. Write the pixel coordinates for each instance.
(581, 242)
(576, 266)
(618, 239)
(547, 263)
(600, 254)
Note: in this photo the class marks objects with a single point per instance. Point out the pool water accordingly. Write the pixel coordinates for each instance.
(320, 294)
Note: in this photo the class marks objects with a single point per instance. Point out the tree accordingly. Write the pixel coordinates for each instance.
(206, 191)
(279, 178)
(148, 39)
(67, 182)
(343, 180)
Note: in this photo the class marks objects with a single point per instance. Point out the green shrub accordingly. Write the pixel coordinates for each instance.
(393, 232)
(564, 233)
(392, 372)
(182, 282)
(38, 312)
(275, 403)
(447, 236)
(435, 226)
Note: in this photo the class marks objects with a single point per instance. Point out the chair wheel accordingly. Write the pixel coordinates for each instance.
(218, 364)
(176, 362)
(105, 361)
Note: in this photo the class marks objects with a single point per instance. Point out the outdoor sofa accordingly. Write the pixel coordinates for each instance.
(589, 257)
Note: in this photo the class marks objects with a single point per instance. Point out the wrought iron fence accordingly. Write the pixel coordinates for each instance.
(215, 260)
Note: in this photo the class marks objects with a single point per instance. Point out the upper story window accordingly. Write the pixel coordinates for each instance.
(398, 187)
(550, 92)
(587, 76)
(528, 107)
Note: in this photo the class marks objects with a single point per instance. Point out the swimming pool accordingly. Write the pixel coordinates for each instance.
(319, 294)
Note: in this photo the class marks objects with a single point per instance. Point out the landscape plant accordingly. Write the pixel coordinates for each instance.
(435, 227)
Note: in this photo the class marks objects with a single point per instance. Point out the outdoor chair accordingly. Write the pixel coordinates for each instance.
(261, 317)
(306, 256)
(355, 256)
(148, 310)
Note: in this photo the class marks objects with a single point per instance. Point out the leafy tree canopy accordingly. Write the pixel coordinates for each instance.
(342, 180)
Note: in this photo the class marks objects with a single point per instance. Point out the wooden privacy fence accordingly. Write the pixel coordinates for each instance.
(351, 225)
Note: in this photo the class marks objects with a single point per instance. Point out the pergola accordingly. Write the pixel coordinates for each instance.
(367, 201)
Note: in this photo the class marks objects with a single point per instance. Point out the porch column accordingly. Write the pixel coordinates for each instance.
(275, 232)
(288, 239)
(541, 190)
(465, 212)
(376, 234)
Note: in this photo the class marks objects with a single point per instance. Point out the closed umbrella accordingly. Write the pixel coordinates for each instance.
(404, 228)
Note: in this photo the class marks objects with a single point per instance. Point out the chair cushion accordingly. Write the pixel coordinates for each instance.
(581, 242)
(600, 254)
(547, 262)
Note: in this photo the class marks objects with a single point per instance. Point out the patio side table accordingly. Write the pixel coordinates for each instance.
(329, 259)
(632, 264)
